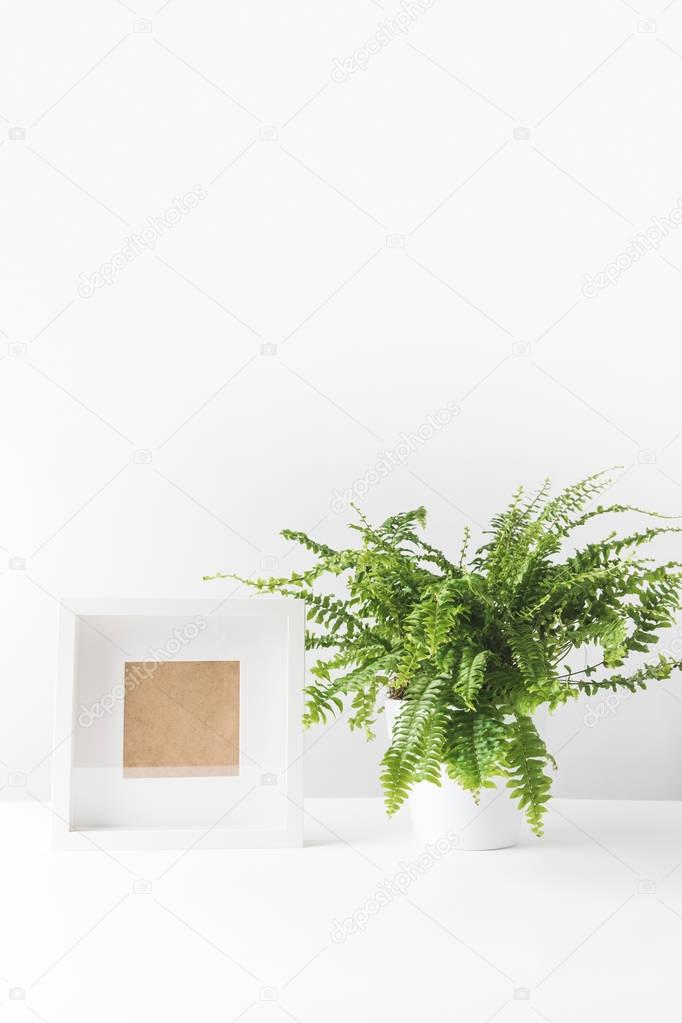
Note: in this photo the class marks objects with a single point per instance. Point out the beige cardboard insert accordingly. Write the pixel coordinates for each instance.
(181, 718)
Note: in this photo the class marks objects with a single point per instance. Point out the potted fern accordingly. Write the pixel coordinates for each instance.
(462, 654)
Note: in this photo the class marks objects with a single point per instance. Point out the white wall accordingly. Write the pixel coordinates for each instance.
(399, 241)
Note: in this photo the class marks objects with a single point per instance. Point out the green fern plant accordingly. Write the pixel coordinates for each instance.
(473, 647)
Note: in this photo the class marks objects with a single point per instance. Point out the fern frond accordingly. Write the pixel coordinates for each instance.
(655, 671)
(471, 675)
(474, 750)
(526, 756)
(528, 656)
(415, 752)
(574, 498)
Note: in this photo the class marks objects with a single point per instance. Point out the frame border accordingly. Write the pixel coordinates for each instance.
(66, 838)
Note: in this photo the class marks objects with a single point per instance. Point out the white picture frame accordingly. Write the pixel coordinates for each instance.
(94, 808)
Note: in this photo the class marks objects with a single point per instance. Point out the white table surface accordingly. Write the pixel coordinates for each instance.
(584, 924)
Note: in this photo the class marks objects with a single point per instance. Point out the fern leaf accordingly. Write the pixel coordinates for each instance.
(526, 756)
(474, 751)
(416, 751)
(471, 675)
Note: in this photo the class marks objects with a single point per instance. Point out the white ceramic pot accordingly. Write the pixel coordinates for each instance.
(493, 823)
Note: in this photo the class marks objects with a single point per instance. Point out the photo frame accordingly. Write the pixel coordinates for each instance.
(178, 724)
